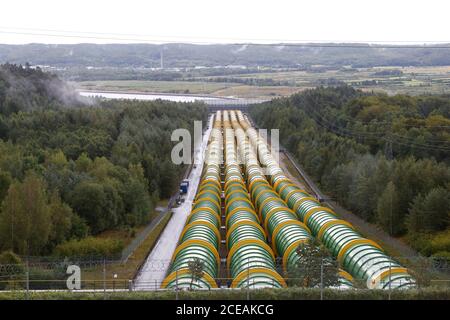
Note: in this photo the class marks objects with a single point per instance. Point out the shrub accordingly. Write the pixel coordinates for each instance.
(11, 275)
(422, 243)
(9, 257)
(441, 242)
(90, 247)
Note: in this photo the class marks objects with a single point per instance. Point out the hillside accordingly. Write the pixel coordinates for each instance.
(190, 55)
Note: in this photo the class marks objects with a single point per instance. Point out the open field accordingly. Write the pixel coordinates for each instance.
(155, 86)
(411, 80)
(225, 89)
(246, 91)
(392, 80)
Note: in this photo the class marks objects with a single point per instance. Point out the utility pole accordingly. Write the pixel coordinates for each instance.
(389, 156)
(12, 232)
(390, 278)
(176, 284)
(28, 280)
(161, 55)
(104, 279)
(248, 280)
(391, 227)
(321, 279)
(388, 153)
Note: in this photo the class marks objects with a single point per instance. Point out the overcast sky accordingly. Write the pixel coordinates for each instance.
(211, 21)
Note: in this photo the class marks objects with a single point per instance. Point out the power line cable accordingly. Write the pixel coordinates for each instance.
(270, 41)
(145, 39)
(369, 134)
(358, 135)
(372, 135)
(345, 45)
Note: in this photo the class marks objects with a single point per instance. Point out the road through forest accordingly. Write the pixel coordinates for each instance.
(156, 266)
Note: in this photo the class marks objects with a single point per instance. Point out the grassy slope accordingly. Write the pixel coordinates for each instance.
(125, 271)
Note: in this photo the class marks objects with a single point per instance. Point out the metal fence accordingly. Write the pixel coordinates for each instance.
(140, 238)
(107, 275)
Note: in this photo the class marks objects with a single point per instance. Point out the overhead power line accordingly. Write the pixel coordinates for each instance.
(323, 122)
(228, 39)
(153, 39)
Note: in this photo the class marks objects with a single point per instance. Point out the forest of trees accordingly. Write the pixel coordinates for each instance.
(385, 158)
(70, 171)
(26, 89)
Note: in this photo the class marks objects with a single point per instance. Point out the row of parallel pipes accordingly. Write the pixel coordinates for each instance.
(251, 261)
(362, 258)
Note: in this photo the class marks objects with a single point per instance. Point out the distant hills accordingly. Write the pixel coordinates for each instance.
(190, 55)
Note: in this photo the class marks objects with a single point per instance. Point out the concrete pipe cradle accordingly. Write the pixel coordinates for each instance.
(250, 261)
(361, 257)
(200, 237)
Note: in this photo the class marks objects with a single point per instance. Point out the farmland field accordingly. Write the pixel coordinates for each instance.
(155, 86)
(392, 80)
